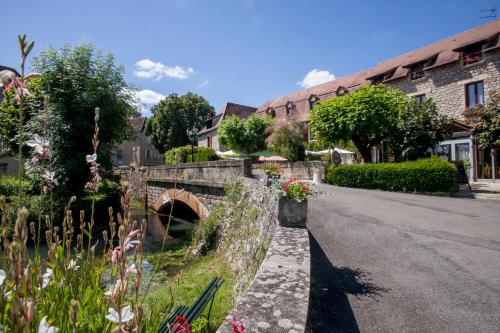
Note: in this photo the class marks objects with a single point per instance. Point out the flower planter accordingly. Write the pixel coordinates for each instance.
(292, 213)
(268, 180)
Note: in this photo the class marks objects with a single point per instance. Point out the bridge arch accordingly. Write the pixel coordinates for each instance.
(183, 199)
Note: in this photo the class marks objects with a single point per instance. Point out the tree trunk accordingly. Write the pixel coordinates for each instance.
(364, 149)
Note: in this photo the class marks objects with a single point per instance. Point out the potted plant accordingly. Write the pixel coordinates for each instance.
(293, 196)
(272, 171)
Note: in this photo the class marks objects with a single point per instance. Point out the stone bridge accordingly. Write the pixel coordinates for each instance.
(195, 188)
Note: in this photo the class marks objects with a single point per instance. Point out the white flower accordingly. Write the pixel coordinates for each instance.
(50, 177)
(45, 328)
(46, 277)
(72, 265)
(113, 288)
(91, 158)
(38, 143)
(132, 269)
(3, 276)
(126, 315)
(5, 77)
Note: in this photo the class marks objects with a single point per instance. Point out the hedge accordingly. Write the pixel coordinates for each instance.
(425, 175)
(188, 154)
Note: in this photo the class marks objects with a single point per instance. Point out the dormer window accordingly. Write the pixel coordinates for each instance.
(270, 112)
(289, 108)
(417, 71)
(341, 91)
(313, 100)
(472, 54)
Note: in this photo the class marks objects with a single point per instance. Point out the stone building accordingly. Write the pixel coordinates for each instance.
(458, 73)
(207, 136)
(139, 151)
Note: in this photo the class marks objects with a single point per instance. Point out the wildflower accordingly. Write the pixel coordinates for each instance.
(237, 325)
(5, 77)
(46, 277)
(126, 315)
(49, 177)
(131, 269)
(44, 327)
(38, 143)
(31, 311)
(182, 326)
(91, 158)
(72, 265)
(114, 289)
(22, 89)
(3, 276)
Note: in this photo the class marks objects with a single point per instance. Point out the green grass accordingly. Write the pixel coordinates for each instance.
(182, 282)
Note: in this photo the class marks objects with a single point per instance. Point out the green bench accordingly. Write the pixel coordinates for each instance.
(192, 312)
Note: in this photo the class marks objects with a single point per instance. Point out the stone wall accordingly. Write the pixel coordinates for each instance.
(446, 84)
(301, 170)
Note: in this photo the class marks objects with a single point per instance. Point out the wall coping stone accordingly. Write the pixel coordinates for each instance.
(210, 164)
(206, 183)
(278, 298)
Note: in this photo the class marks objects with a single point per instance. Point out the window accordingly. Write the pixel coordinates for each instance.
(417, 71)
(119, 154)
(313, 100)
(148, 153)
(341, 91)
(271, 112)
(209, 141)
(472, 54)
(474, 95)
(420, 99)
(289, 108)
(310, 135)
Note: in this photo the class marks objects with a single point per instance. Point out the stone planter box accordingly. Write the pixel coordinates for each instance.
(292, 213)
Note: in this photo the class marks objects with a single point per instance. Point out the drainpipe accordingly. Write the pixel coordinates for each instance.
(493, 165)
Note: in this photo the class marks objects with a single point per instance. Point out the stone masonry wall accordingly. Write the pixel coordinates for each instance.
(301, 170)
(446, 84)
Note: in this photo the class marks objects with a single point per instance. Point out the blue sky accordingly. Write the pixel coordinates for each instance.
(243, 51)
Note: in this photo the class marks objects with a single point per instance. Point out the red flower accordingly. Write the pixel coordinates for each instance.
(182, 326)
(237, 325)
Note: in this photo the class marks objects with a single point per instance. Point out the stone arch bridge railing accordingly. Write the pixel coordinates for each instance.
(200, 186)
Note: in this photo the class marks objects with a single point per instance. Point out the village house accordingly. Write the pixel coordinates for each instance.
(139, 151)
(458, 73)
(207, 136)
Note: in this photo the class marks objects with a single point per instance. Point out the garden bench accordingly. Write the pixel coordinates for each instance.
(192, 312)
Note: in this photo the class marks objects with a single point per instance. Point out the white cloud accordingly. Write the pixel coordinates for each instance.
(145, 99)
(315, 77)
(203, 84)
(148, 69)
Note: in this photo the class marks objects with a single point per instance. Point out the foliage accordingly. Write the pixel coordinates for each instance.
(189, 154)
(77, 80)
(246, 135)
(272, 169)
(9, 186)
(366, 117)
(292, 188)
(486, 122)
(424, 175)
(418, 129)
(288, 141)
(174, 118)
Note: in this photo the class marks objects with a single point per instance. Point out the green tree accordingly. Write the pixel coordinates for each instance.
(366, 117)
(245, 135)
(486, 122)
(76, 81)
(418, 129)
(288, 141)
(173, 119)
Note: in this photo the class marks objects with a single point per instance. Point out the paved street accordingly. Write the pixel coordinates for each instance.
(392, 262)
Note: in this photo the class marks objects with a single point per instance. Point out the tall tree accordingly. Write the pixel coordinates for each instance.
(366, 117)
(246, 135)
(486, 122)
(174, 118)
(76, 81)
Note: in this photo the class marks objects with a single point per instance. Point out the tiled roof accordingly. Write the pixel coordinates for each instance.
(227, 109)
(444, 52)
(138, 123)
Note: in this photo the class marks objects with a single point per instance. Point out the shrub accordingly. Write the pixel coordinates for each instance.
(425, 175)
(9, 186)
(187, 154)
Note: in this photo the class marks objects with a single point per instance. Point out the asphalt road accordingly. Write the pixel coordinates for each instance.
(393, 262)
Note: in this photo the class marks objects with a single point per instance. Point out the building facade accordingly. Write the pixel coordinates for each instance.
(138, 151)
(207, 136)
(458, 73)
